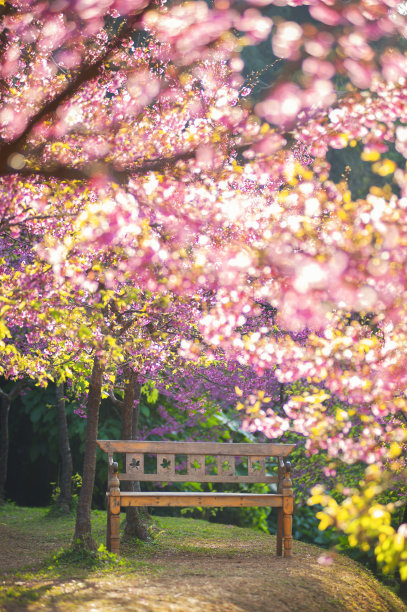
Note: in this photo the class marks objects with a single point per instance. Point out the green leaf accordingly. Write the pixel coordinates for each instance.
(84, 332)
(36, 413)
(145, 410)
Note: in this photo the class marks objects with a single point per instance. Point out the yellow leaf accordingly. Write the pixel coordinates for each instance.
(385, 167)
(326, 521)
(347, 196)
(343, 138)
(370, 155)
(394, 451)
(403, 572)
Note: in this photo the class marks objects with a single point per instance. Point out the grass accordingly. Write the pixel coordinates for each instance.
(189, 565)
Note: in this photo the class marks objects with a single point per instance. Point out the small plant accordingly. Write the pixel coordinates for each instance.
(100, 558)
(56, 492)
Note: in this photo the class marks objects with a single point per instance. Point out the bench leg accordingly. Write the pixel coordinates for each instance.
(113, 530)
(288, 540)
(288, 509)
(109, 516)
(279, 532)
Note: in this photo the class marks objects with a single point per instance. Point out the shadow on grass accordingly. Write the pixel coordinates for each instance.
(69, 572)
(19, 597)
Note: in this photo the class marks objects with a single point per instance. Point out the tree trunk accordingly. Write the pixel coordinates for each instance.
(4, 410)
(83, 533)
(130, 378)
(65, 497)
(136, 518)
(5, 403)
(136, 410)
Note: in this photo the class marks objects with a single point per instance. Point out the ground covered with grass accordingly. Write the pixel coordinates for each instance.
(189, 565)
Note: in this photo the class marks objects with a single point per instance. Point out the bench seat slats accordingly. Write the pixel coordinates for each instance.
(201, 499)
(197, 477)
(244, 449)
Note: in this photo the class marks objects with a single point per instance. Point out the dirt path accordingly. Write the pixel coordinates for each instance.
(192, 566)
(217, 585)
(200, 583)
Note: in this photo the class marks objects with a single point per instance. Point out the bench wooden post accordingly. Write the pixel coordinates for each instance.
(280, 476)
(113, 510)
(288, 508)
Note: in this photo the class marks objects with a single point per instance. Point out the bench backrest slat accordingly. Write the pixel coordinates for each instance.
(197, 477)
(244, 449)
(197, 461)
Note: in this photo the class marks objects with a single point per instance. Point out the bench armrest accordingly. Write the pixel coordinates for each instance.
(113, 484)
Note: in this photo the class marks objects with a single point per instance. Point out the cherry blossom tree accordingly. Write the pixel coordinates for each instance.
(131, 154)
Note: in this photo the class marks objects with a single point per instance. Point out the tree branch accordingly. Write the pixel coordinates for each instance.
(116, 402)
(89, 71)
(120, 177)
(15, 390)
(11, 395)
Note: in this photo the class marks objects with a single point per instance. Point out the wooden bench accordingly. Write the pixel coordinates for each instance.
(199, 458)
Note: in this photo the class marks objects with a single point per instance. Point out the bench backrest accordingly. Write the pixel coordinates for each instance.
(200, 461)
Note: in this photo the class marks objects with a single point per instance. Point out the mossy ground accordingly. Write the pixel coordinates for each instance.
(189, 566)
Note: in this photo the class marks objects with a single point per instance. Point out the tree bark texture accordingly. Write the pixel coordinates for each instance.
(4, 411)
(83, 532)
(136, 518)
(65, 497)
(130, 378)
(5, 404)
